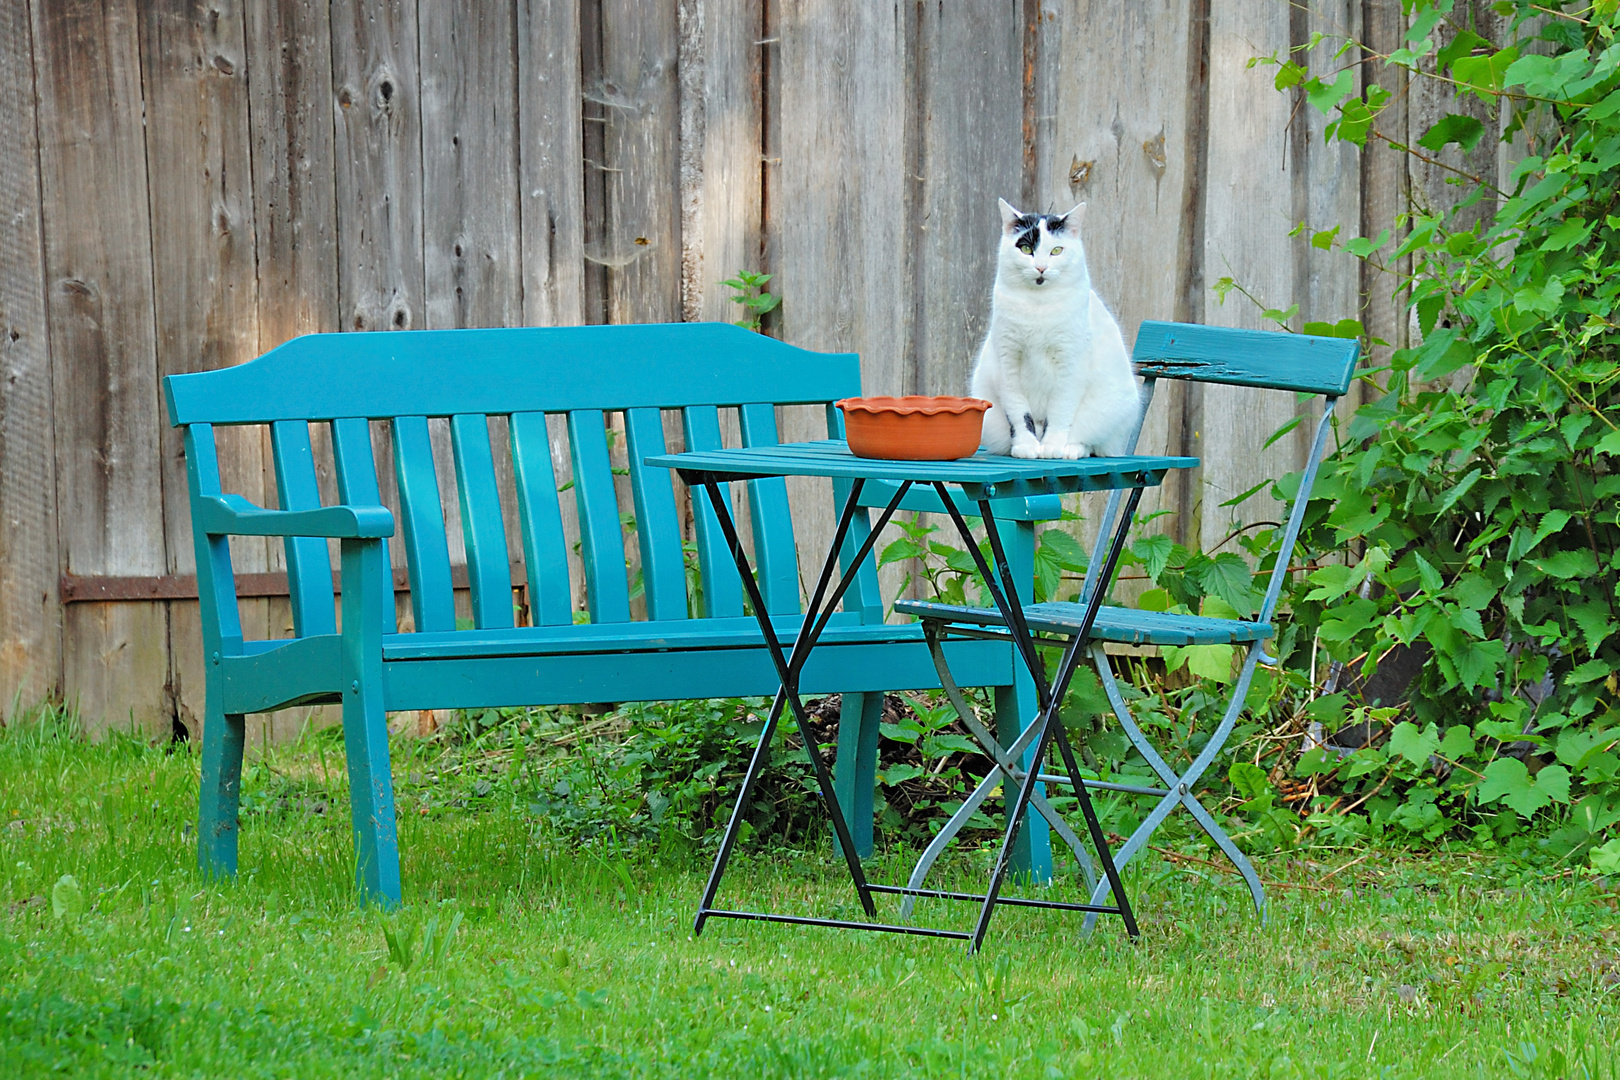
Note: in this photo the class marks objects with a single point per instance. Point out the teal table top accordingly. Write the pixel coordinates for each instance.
(982, 476)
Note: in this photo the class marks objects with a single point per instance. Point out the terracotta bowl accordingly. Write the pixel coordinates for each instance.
(913, 428)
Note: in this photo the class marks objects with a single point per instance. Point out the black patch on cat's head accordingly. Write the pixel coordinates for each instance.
(1026, 230)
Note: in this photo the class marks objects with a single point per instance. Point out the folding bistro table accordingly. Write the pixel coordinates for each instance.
(980, 478)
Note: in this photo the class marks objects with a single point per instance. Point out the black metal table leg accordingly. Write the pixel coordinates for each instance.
(1049, 696)
(788, 668)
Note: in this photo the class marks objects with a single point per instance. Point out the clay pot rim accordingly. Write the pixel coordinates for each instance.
(912, 404)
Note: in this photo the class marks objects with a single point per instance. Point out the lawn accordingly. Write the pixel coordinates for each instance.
(519, 953)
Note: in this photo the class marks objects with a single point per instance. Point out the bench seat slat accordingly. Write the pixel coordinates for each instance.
(775, 557)
(601, 542)
(677, 634)
(489, 569)
(357, 486)
(309, 565)
(722, 589)
(1124, 626)
(658, 530)
(545, 546)
(433, 599)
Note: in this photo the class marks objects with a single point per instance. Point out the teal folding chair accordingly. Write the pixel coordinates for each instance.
(1273, 361)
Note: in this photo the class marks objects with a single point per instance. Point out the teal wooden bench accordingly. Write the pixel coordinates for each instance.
(350, 381)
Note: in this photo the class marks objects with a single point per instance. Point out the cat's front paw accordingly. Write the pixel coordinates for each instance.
(1076, 451)
(1025, 448)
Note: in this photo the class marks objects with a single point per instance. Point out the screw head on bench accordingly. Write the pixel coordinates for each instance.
(1181, 789)
(215, 658)
(354, 687)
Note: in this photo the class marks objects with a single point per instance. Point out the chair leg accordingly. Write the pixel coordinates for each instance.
(221, 790)
(855, 769)
(371, 796)
(1257, 892)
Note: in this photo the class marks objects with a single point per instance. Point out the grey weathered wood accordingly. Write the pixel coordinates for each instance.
(552, 203)
(1383, 187)
(471, 230)
(378, 145)
(842, 206)
(30, 616)
(1247, 219)
(639, 90)
(193, 65)
(1127, 143)
(103, 359)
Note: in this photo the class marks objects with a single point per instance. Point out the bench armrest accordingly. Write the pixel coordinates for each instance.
(232, 515)
(922, 499)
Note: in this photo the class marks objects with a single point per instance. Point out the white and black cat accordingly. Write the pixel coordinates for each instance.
(1053, 365)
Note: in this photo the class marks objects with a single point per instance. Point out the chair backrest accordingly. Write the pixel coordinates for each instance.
(402, 380)
(1266, 360)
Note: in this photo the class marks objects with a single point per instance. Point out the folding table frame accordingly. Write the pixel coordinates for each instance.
(981, 478)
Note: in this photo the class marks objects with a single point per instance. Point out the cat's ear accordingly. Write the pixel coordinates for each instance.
(1009, 216)
(1074, 218)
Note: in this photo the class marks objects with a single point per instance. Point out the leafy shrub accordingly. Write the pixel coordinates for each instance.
(1475, 502)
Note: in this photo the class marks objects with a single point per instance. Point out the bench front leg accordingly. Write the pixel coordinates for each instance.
(365, 725)
(855, 770)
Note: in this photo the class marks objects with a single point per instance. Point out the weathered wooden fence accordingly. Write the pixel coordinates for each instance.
(187, 183)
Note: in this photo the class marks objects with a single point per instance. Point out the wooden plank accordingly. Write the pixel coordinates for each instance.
(969, 67)
(289, 57)
(194, 69)
(1126, 146)
(30, 614)
(1383, 186)
(638, 86)
(841, 91)
(720, 151)
(378, 135)
(98, 267)
(1251, 178)
(552, 210)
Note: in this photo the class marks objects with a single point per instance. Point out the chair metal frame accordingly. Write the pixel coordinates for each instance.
(1178, 787)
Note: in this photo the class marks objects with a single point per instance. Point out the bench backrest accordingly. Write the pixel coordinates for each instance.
(584, 374)
(1266, 360)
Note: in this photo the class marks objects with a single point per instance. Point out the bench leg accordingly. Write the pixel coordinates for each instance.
(221, 790)
(365, 728)
(855, 770)
(1031, 855)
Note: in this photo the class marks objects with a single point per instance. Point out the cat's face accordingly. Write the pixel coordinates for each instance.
(1041, 250)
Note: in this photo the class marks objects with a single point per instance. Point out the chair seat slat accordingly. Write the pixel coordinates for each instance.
(774, 553)
(309, 565)
(433, 599)
(545, 547)
(489, 569)
(658, 530)
(357, 486)
(601, 541)
(722, 589)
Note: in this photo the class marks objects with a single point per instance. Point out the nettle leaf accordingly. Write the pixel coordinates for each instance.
(1228, 577)
(1430, 577)
(1569, 563)
(1610, 443)
(1154, 551)
(1593, 617)
(1465, 131)
(1210, 661)
(1414, 745)
(1248, 780)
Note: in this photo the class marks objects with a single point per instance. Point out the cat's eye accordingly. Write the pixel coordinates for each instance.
(1057, 251)
(1027, 249)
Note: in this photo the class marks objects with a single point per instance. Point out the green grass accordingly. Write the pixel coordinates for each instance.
(516, 954)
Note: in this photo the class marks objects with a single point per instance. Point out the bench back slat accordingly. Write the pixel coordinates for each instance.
(601, 542)
(722, 589)
(1260, 358)
(775, 558)
(216, 586)
(357, 486)
(658, 529)
(545, 546)
(489, 569)
(309, 566)
(427, 551)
